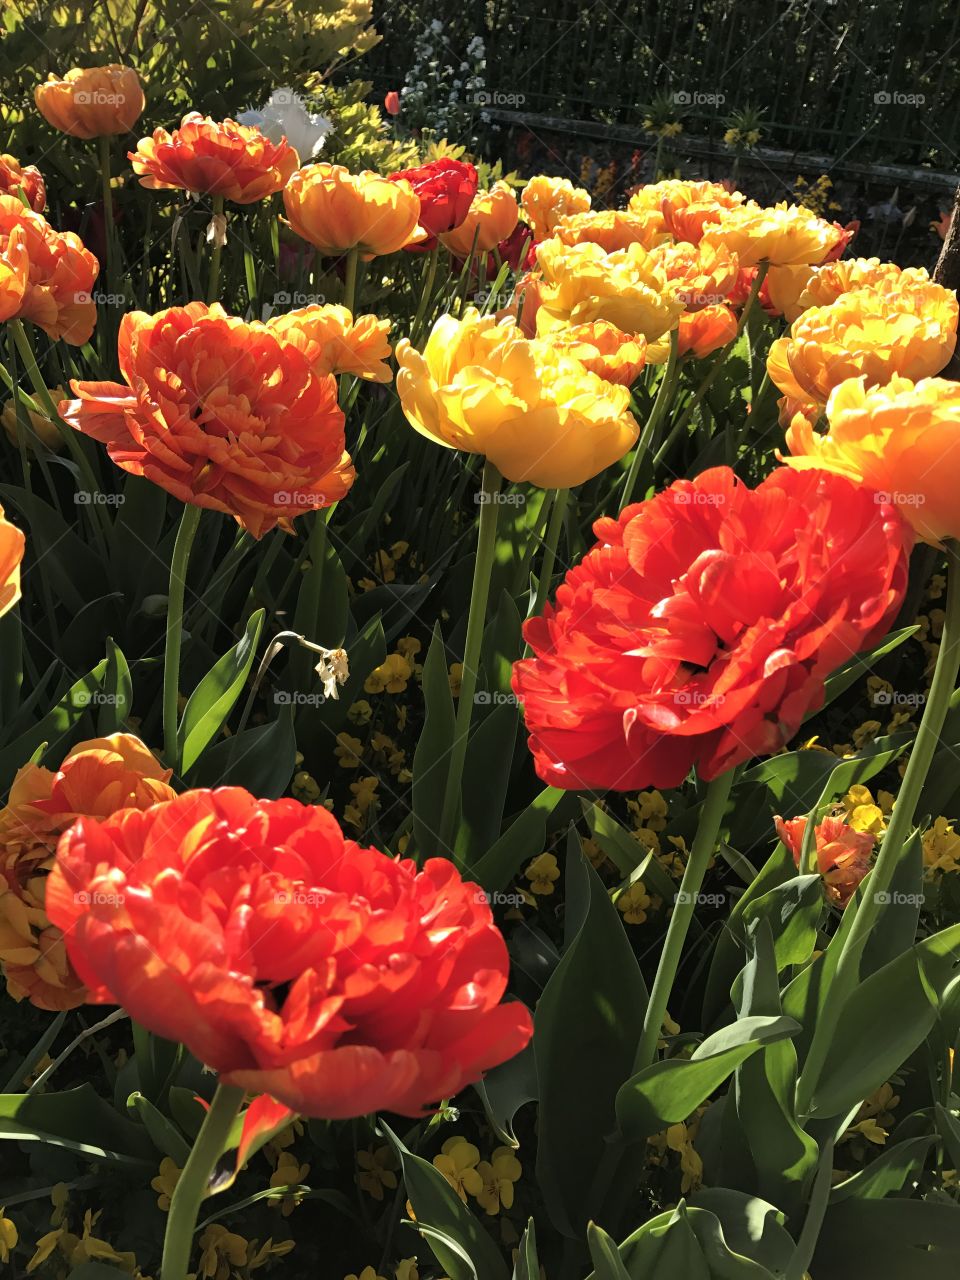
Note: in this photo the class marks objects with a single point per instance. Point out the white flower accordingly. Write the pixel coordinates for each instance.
(285, 116)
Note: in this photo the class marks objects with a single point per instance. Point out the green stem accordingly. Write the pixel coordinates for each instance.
(799, 1264)
(558, 511)
(426, 291)
(171, 658)
(103, 146)
(213, 288)
(660, 405)
(891, 850)
(350, 278)
(704, 845)
(192, 1184)
(479, 594)
(67, 433)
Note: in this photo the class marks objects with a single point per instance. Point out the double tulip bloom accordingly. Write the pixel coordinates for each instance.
(46, 276)
(545, 201)
(232, 161)
(27, 178)
(223, 414)
(11, 554)
(782, 236)
(682, 209)
(491, 218)
(92, 102)
(337, 211)
(612, 229)
(535, 412)
(446, 190)
(295, 963)
(96, 779)
(902, 439)
(700, 628)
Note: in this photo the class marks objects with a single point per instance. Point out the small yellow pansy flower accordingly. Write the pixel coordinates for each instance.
(455, 678)
(457, 1162)
(266, 1251)
(165, 1182)
(499, 1173)
(633, 903)
(376, 1171)
(8, 1236)
(368, 1273)
(408, 646)
(941, 847)
(220, 1251)
(406, 1269)
(348, 751)
(305, 788)
(390, 677)
(543, 873)
(288, 1173)
(361, 712)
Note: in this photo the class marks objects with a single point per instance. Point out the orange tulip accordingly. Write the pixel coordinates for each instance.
(901, 439)
(699, 333)
(829, 282)
(12, 543)
(912, 331)
(222, 414)
(334, 342)
(92, 102)
(14, 270)
(612, 229)
(60, 274)
(604, 350)
(96, 779)
(546, 200)
(704, 274)
(783, 235)
(336, 210)
(46, 431)
(216, 158)
(686, 208)
(16, 177)
(491, 217)
(782, 290)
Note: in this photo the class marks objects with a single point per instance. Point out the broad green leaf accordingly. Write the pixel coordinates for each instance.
(670, 1091)
(440, 1210)
(948, 1126)
(887, 1174)
(213, 699)
(117, 697)
(78, 1120)
(505, 1089)
(860, 666)
(262, 759)
(522, 840)
(607, 1263)
(54, 731)
(431, 759)
(486, 776)
(527, 1264)
(892, 1239)
(626, 853)
(163, 1133)
(586, 1029)
(793, 910)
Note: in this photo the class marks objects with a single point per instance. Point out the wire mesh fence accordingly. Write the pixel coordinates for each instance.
(872, 79)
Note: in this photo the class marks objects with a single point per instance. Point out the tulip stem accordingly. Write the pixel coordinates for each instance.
(557, 513)
(426, 292)
(171, 657)
(891, 850)
(193, 1182)
(350, 278)
(479, 594)
(219, 235)
(660, 405)
(103, 146)
(684, 907)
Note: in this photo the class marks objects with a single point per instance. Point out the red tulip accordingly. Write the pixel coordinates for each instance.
(445, 189)
(392, 103)
(333, 978)
(701, 627)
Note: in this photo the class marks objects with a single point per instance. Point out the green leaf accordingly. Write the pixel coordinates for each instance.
(888, 1239)
(96, 1271)
(165, 1136)
(607, 1263)
(860, 666)
(587, 1026)
(505, 1089)
(440, 1210)
(486, 776)
(626, 853)
(214, 697)
(887, 1174)
(431, 759)
(78, 1120)
(527, 1265)
(793, 910)
(261, 759)
(882, 1022)
(117, 704)
(523, 839)
(322, 601)
(795, 779)
(54, 730)
(670, 1091)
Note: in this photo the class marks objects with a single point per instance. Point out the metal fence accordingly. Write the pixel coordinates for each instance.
(868, 79)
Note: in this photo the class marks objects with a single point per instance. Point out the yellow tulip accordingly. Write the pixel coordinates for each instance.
(336, 210)
(536, 413)
(546, 200)
(491, 217)
(92, 102)
(902, 439)
(785, 235)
